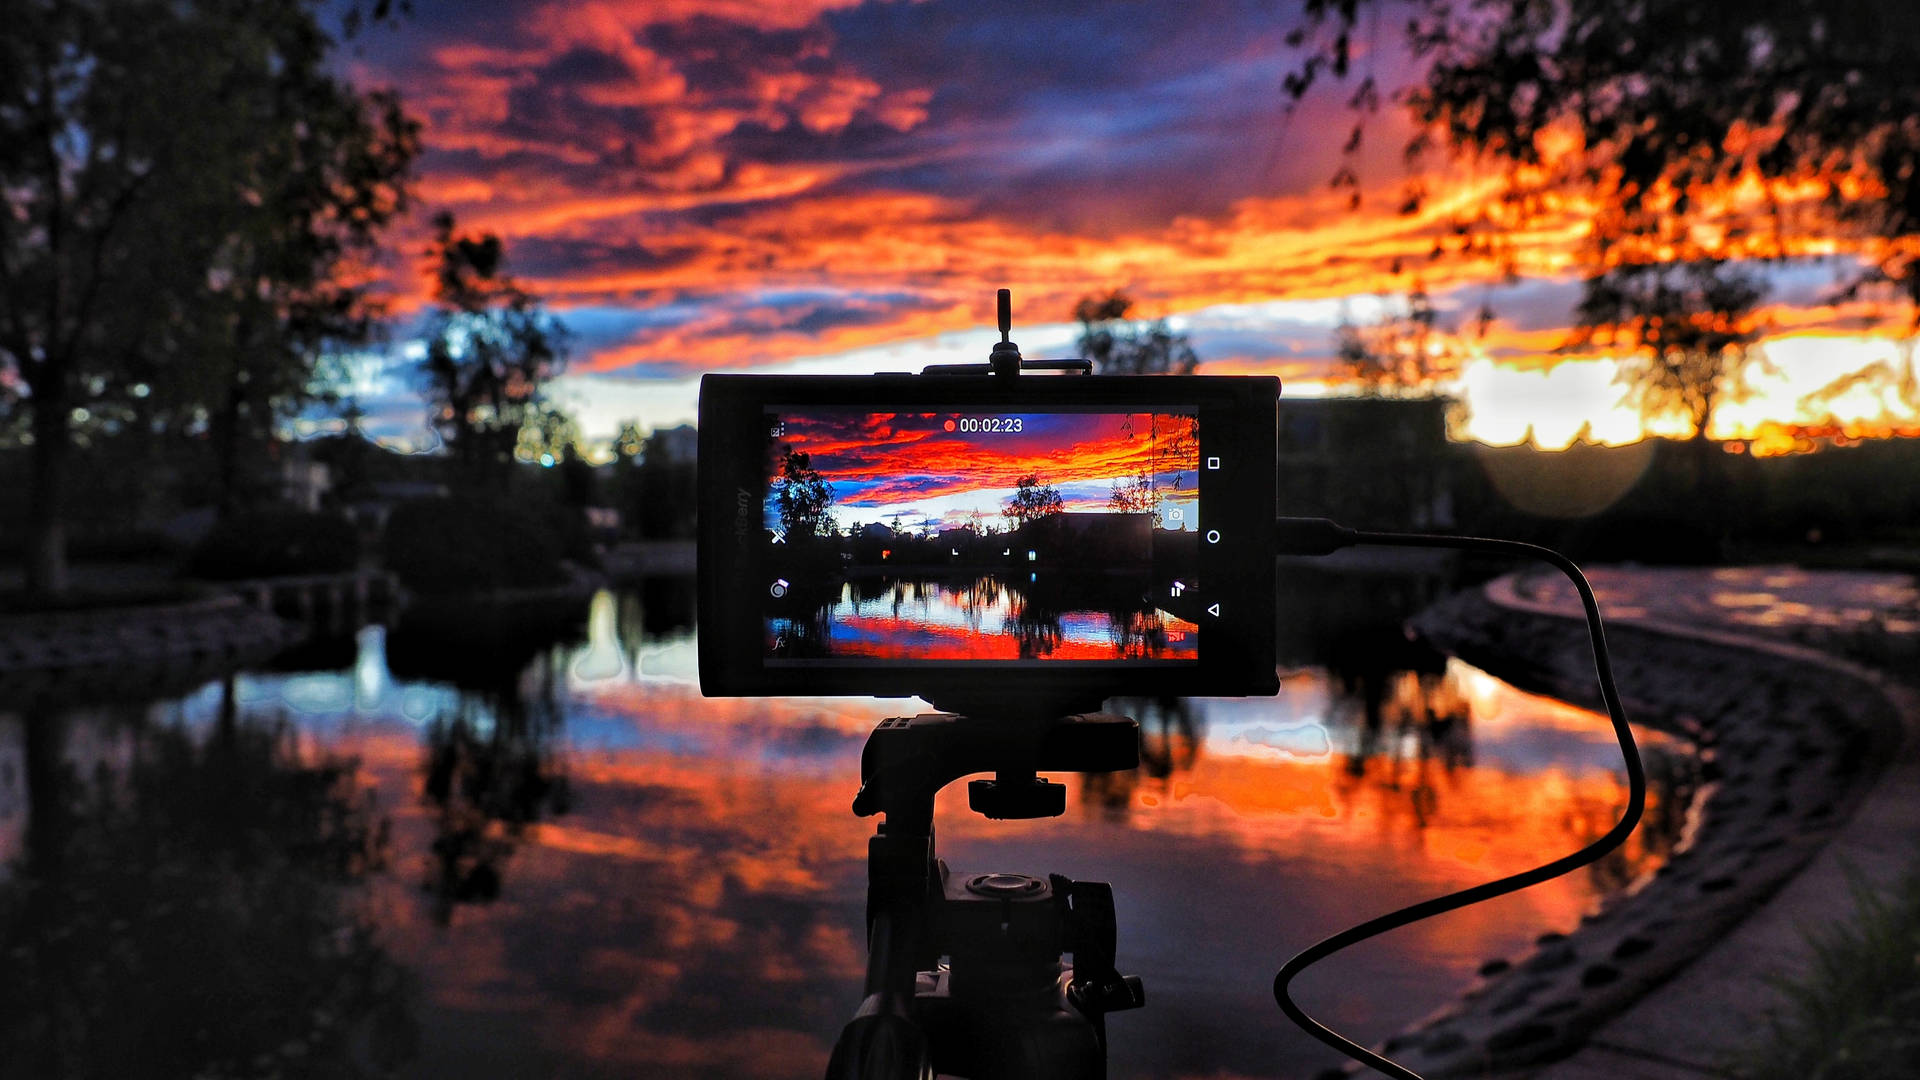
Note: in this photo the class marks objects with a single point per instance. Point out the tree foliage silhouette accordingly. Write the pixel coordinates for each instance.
(190, 186)
(1401, 354)
(1032, 502)
(804, 497)
(1689, 332)
(1683, 137)
(1134, 495)
(491, 347)
(1694, 131)
(1118, 345)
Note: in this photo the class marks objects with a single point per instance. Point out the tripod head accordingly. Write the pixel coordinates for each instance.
(907, 760)
(1002, 1006)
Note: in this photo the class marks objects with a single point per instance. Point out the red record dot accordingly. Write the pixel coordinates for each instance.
(949, 425)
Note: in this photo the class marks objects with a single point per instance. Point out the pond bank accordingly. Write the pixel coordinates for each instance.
(100, 653)
(634, 559)
(134, 649)
(1790, 742)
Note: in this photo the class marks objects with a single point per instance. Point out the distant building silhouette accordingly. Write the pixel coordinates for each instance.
(678, 445)
(1100, 539)
(1381, 463)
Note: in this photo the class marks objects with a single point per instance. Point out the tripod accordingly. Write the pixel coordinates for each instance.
(1004, 1006)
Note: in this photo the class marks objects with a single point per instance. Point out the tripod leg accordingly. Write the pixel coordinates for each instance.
(880, 1046)
(882, 1042)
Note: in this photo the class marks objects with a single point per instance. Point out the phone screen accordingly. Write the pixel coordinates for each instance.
(963, 534)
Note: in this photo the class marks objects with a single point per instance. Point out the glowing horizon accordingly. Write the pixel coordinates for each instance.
(839, 186)
(923, 470)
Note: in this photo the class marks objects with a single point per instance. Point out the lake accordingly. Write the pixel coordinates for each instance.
(982, 616)
(431, 850)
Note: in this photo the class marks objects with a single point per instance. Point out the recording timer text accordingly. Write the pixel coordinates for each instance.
(970, 425)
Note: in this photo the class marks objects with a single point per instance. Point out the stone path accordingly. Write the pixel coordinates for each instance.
(1871, 618)
(1689, 1028)
(1790, 741)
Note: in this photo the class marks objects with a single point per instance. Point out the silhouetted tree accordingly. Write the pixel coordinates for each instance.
(1688, 331)
(548, 436)
(1176, 441)
(1120, 346)
(491, 347)
(1032, 502)
(1134, 495)
(628, 442)
(1402, 354)
(656, 489)
(1695, 130)
(804, 497)
(186, 185)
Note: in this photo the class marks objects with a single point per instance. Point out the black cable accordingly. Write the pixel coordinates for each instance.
(1319, 536)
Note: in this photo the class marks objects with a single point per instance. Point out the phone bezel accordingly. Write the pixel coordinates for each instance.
(1237, 425)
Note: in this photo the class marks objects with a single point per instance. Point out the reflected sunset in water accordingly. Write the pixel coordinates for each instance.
(980, 618)
(590, 870)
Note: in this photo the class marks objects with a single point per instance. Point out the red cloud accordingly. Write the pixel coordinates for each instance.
(706, 152)
(892, 462)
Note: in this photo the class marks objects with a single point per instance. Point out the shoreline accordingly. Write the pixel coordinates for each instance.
(1789, 743)
(77, 657)
(82, 655)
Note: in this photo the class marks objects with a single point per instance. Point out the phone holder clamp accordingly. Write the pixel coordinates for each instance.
(1004, 360)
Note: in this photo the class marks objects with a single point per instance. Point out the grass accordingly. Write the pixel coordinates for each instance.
(1854, 1013)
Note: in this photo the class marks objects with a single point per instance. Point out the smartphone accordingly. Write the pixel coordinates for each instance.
(979, 540)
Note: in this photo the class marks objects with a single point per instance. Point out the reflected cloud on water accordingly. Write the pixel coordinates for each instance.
(570, 863)
(979, 616)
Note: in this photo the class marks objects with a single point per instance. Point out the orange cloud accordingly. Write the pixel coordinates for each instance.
(706, 161)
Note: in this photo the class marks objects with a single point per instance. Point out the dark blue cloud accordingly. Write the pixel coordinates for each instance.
(1095, 117)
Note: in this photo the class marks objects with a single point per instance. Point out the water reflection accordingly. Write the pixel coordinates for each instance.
(1395, 746)
(622, 878)
(492, 760)
(491, 770)
(190, 904)
(1038, 616)
(1413, 732)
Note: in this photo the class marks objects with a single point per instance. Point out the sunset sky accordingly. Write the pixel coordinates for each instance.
(836, 186)
(883, 464)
